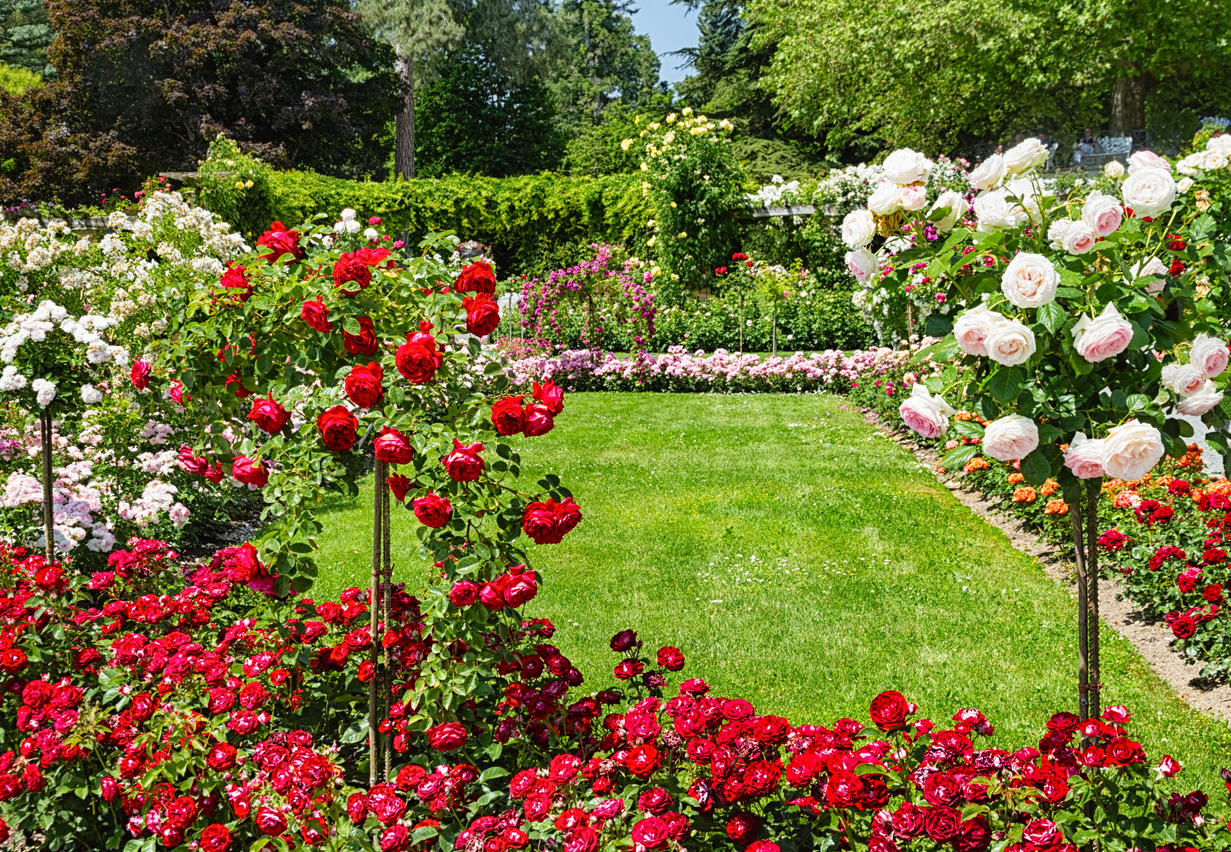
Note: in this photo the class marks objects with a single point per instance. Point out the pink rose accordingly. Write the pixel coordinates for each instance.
(1084, 457)
(973, 327)
(1103, 337)
(1102, 213)
(1011, 437)
(925, 414)
(1209, 355)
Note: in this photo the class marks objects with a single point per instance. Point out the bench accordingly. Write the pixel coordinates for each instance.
(1106, 149)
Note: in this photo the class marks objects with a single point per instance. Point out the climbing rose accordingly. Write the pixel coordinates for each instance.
(393, 447)
(249, 472)
(399, 485)
(464, 463)
(482, 314)
(363, 384)
(550, 395)
(363, 343)
(432, 510)
(316, 315)
(508, 416)
(476, 278)
(140, 374)
(338, 428)
(418, 359)
(539, 420)
(269, 416)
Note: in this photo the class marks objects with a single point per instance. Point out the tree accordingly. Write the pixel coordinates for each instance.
(25, 36)
(297, 81)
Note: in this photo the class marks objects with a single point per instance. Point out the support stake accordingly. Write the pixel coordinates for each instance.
(49, 544)
(374, 610)
(1083, 613)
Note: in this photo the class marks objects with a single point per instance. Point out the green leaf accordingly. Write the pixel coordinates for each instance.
(1006, 385)
(955, 459)
(1053, 317)
(1036, 468)
(968, 428)
(938, 325)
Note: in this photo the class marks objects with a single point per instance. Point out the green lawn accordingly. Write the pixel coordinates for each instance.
(801, 561)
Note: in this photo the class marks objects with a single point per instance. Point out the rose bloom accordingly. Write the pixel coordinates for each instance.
(1184, 379)
(1149, 192)
(1209, 355)
(1010, 342)
(140, 374)
(509, 415)
(1131, 450)
(446, 736)
(1147, 160)
(972, 328)
(858, 229)
(1030, 281)
(995, 211)
(905, 166)
(392, 447)
(316, 315)
(482, 314)
(463, 463)
(399, 485)
(988, 173)
(418, 359)
(925, 414)
(350, 269)
(1102, 213)
(889, 711)
(476, 278)
(862, 264)
(463, 593)
(952, 202)
(1205, 399)
(432, 510)
(1025, 156)
(1084, 457)
(363, 343)
(539, 420)
(338, 428)
(1073, 237)
(364, 384)
(671, 659)
(913, 198)
(1011, 437)
(885, 200)
(1103, 337)
(280, 242)
(269, 416)
(249, 472)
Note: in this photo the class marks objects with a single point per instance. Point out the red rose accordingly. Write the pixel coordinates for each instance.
(249, 472)
(395, 838)
(521, 589)
(316, 315)
(476, 278)
(742, 827)
(768, 730)
(363, 385)
(222, 756)
(975, 836)
(908, 821)
(351, 269)
(268, 415)
(539, 522)
(550, 395)
(670, 658)
(539, 420)
(464, 593)
(170, 835)
(1212, 593)
(482, 314)
(508, 416)
(1122, 751)
(338, 428)
(280, 242)
(889, 711)
(581, 839)
(650, 832)
(392, 447)
(357, 808)
(1042, 834)
(384, 802)
(236, 279)
(363, 343)
(1184, 627)
(182, 812)
(843, 789)
(314, 831)
(418, 359)
(432, 510)
(140, 374)
(399, 485)
(942, 823)
(215, 838)
(446, 736)
(12, 660)
(464, 463)
(268, 821)
(642, 760)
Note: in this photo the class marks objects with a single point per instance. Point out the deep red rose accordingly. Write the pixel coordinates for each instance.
(392, 447)
(432, 510)
(908, 821)
(642, 761)
(464, 463)
(1184, 627)
(539, 420)
(140, 374)
(942, 823)
(742, 827)
(628, 669)
(581, 839)
(314, 831)
(446, 736)
(549, 522)
(269, 416)
(350, 274)
(671, 659)
(1212, 593)
(889, 711)
(1042, 834)
(170, 835)
(357, 808)
(384, 802)
(508, 416)
(364, 385)
(316, 315)
(222, 756)
(268, 821)
(1122, 751)
(521, 589)
(476, 278)
(363, 343)
(400, 486)
(650, 832)
(338, 428)
(975, 836)
(550, 395)
(215, 838)
(843, 789)
(418, 359)
(482, 314)
(236, 279)
(464, 593)
(249, 472)
(624, 640)
(279, 241)
(182, 812)
(395, 838)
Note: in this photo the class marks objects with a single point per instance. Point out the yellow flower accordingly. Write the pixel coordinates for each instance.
(645, 167)
(655, 126)
(636, 119)
(626, 144)
(248, 184)
(672, 205)
(239, 184)
(650, 242)
(683, 235)
(687, 110)
(669, 138)
(650, 224)
(671, 118)
(656, 271)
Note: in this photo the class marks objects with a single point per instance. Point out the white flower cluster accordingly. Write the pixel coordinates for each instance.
(1216, 157)
(348, 224)
(34, 327)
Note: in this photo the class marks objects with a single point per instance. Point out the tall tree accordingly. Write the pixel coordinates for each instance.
(25, 36)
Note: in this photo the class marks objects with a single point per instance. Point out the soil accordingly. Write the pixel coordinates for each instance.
(1152, 640)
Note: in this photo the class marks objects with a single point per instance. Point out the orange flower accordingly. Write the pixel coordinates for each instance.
(977, 463)
(1024, 494)
(1016, 479)
(963, 415)
(1049, 488)
(1056, 507)
(1126, 500)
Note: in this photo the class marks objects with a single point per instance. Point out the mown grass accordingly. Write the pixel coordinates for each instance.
(801, 561)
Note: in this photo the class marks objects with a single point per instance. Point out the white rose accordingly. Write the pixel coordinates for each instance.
(1025, 156)
(1220, 144)
(1084, 457)
(352, 226)
(370, 234)
(954, 203)
(1102, 213)
(1153, 268)
(1209, 355)
(1191, 165)
(996, 212)
(925, 414)
(973, 327)
(1073, 237)
(905, 166)
(1131, 450)
(1148, 192)
(44, 391)
(1103, 337)
(1009, 342)
(1214, 161)
(1027, 195)
(988, 173)
(11, 380)
(1183, 379)
(1010, 438)
(913, 198)
(1196, 404)
(1146, 160)
(1114, 169)
(862, 264)
(1030, 281)
(347, 214)
(91, 394)
(1184, 185)
(858, 228)
(886, 200)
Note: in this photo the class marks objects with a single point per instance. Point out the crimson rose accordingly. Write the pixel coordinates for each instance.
(338, 428)
(889, 710)
(464, 463)
(140, 374)
(363, 343)
(482, 314)
(269, 416)
(392, 447)
(432, 510)
(249, 472)
(235, 279)
(399, 485)
(280, 241)
(538, 420)
(316, 315)
(508, 416)
(476, 278)
(351, 269)
(446, 736)
(418, 359)
(215, 838)
(363, 384)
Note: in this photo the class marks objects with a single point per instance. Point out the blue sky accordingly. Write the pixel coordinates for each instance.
(670, 27)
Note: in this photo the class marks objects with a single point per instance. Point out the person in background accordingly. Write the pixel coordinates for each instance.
(1085, 146)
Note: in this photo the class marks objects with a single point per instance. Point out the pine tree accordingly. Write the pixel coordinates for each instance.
(25, 36)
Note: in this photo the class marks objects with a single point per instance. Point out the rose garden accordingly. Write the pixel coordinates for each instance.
(616, 511)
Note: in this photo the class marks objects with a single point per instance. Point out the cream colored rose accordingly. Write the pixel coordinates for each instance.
(1148, 192)
(925, 414)
(1197, 404)
(1131, 450)
(885, 200)
(1154, 269)
(862, 264)
(1147, 160)
(1027, 195)
(1084, 457)
(988, 173)
(1102, 213)
(905, 166)
(1183, 379)
(1215, 161)
(1209, 355)
(995, 212)
(1025, 156)
(1030, 281)
(1114, 169)
(1010, 438)
(858, 228)
(1009, 342)
(954, 203)
(913, 198)
(1103, 337)
(1220, 144)
(1073, 237)
(973, 327)
(1191, 165)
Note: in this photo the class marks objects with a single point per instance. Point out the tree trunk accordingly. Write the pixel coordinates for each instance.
(404, 137)
(1128, 105)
